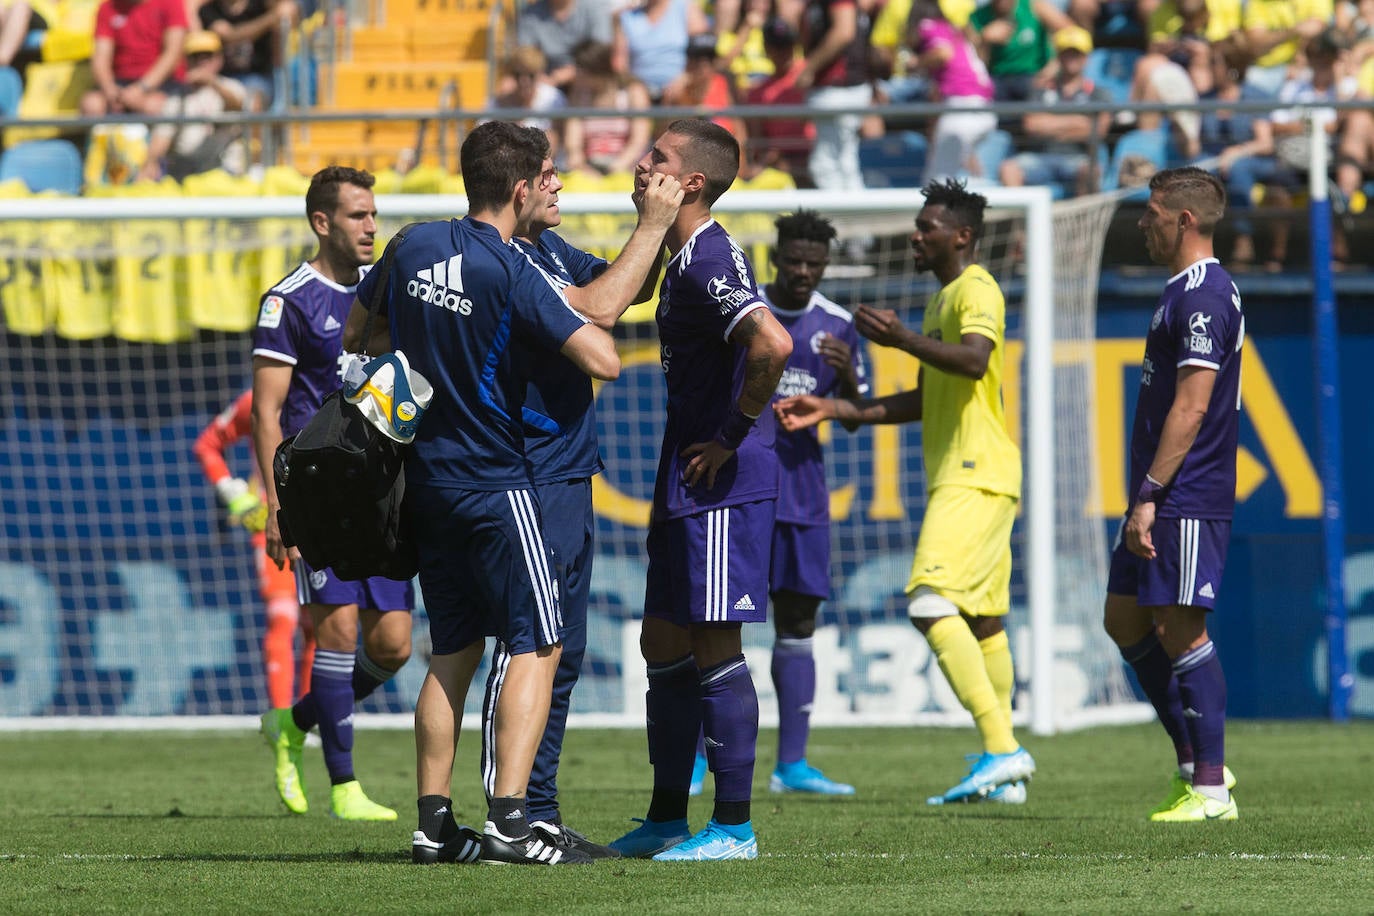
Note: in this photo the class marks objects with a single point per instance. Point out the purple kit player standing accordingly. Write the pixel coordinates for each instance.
(722, 353)
(827, 360)
(1167, 564)
(297, 349)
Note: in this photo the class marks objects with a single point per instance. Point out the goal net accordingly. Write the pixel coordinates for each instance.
(124, 593)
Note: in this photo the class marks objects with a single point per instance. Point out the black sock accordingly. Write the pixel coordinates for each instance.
(507, 814)
(668, 805)
(341, 779)
(730, 812)
(436, 817)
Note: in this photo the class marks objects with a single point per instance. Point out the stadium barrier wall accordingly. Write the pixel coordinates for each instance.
(123, 596)
(178, 627)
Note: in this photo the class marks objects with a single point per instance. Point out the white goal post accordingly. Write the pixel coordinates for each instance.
(1046, 256)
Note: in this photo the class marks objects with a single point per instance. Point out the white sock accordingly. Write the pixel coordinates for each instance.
(1217, 793)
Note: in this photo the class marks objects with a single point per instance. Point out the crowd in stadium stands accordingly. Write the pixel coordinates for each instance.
(200, 57)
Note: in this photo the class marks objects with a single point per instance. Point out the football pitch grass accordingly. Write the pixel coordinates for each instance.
(177, 822)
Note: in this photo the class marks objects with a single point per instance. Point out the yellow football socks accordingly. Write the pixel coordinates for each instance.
(961, 659)
(997, 660)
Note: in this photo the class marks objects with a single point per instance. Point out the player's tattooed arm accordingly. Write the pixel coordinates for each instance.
(767, 347)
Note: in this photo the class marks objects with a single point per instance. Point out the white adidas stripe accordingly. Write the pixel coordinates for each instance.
(1188, 532)
(536, 562)
(500, 664)
(717, 565)
(295, 280)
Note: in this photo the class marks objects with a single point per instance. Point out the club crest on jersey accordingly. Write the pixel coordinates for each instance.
(269, 316)
(817, 339)
(1159, 316)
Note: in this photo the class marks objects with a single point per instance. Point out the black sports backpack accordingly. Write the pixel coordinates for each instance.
(341, 484)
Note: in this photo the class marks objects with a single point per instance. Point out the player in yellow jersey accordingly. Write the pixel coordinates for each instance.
(960, 577)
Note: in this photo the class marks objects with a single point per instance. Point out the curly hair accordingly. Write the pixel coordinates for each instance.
(806, 225)
(959, 202)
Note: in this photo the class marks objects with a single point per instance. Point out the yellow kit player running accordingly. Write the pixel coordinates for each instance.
(960, 577)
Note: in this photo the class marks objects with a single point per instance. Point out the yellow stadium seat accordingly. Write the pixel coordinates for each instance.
(377, 44)
(50, 90)
(343, 135)
(577, 181)
(393, 134)
(70, 28)
(424, 179)
(435, 11)
(770, 180)
(390, 87)
(618, 182)
(453, 184)
(219, 183)
(462, 37)
(388, 182)
(14, 187)
(284, 181)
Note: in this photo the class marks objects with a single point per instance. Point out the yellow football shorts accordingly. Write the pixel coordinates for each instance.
(964, 551)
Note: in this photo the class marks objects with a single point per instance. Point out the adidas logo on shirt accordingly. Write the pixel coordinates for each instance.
(442, 285)
(745, 604)
(332, 324)
(1206, 591)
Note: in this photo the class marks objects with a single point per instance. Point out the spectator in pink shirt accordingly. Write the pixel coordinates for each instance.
(961, 82)
(137, 58)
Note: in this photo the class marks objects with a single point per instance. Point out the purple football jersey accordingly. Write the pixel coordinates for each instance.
(802, 494)
(301, 323)
(1198, 323)
(707, 288)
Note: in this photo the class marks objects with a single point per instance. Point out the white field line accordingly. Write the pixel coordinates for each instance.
(825, 856)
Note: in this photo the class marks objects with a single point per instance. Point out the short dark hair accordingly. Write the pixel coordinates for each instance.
(1195, 190)
(497, 156)
(540, 138)
(959, 202)
(711, 150)
(323, 194)
(804, 225)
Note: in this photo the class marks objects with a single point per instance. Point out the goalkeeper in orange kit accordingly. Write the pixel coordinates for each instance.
(243, 499)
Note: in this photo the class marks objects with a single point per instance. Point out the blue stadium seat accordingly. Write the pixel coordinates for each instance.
(1113, 69)
(44, 165)
(1152, 145)
(895, 160)
(11, 89)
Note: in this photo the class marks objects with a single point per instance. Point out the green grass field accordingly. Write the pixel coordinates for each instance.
(188, 822)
